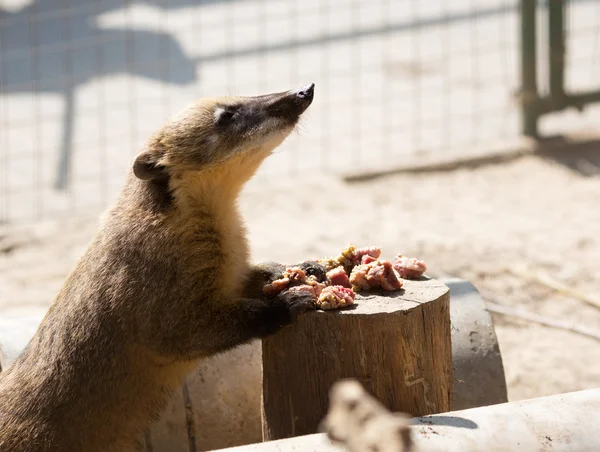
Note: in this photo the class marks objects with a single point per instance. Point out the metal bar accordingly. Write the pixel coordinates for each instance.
(529, 92)
(556, 51)
(578, 101)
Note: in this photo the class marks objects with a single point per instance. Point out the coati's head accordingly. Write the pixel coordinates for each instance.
(222, 135)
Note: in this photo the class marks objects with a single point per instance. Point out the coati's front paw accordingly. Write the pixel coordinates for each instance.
(285, 307)
(296, 302)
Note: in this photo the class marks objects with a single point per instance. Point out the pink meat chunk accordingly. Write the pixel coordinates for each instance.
(370, 251)
(338, 277)
(316, 285)
(367, 259)
(352, 256)
(373, 275)
(292, 276)
(335, 297)
(409, 267)
(329, 263)
(276, 286)
(304, 288)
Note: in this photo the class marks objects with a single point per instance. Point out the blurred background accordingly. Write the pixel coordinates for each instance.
(83, 83)
(399, 84)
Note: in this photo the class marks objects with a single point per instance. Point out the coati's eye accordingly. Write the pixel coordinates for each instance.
(224, 116)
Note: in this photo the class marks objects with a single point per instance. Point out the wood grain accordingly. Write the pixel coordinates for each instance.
(397, 345)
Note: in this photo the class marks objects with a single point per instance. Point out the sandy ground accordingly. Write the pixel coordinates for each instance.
(472, 223)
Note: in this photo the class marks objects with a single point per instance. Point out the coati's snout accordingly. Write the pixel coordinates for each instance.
(290, 105)
(214, 130)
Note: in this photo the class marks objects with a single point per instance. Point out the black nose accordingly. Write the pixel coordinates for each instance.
(306, 92)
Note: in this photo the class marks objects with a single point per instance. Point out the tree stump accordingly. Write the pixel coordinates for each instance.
(397, 345)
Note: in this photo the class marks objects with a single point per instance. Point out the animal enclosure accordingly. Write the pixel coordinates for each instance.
(83, 84)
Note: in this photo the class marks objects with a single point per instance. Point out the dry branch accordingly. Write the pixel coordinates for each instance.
(550, 283)
(542, 320)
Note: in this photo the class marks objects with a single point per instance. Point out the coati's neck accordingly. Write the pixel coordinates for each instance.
(215, 189)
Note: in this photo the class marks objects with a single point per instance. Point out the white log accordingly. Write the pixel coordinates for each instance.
(560, 423)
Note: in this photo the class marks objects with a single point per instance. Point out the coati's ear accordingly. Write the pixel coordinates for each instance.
(147, 165)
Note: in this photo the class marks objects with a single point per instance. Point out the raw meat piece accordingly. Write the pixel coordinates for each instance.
(329, 263)
(276, 286)
(328, 282)
(292, 276)
(409, 267)
(366, 259)
(335, 297)
(352, 256)
(371, 251)
(373, 275)
(316, 285)
(304, 288)
(338, 277)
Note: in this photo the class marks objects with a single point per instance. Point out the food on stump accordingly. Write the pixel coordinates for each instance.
(375, 274)
(338, 277)
(329, 263)
(294, 274)
(409, 267)
(294, 278)
(335, 297)
(333, 282)
(316, 285)
(304, 288)
(290, 277)
(352, 256)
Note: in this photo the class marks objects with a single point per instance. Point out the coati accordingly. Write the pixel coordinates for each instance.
(165, 283)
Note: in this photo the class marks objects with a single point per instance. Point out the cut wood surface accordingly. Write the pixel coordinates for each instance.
(396, 344)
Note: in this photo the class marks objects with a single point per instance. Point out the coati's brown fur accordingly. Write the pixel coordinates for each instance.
(165, 283)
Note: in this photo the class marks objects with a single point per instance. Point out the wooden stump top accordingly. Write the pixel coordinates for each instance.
(397, 344)
(413, 293)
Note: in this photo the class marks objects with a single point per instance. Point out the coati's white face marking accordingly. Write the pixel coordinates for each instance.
(218, 112)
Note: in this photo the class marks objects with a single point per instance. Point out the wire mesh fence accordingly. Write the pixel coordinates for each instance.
(83, 83)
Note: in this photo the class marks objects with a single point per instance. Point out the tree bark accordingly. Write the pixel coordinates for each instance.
(395, 344)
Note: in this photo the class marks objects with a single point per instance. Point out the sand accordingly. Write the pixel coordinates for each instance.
(475, 224)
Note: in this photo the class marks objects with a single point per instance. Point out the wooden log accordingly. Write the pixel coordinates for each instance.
(396, 344)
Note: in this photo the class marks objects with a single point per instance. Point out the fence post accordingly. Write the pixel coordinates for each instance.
(556, 50)
(529, 92)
